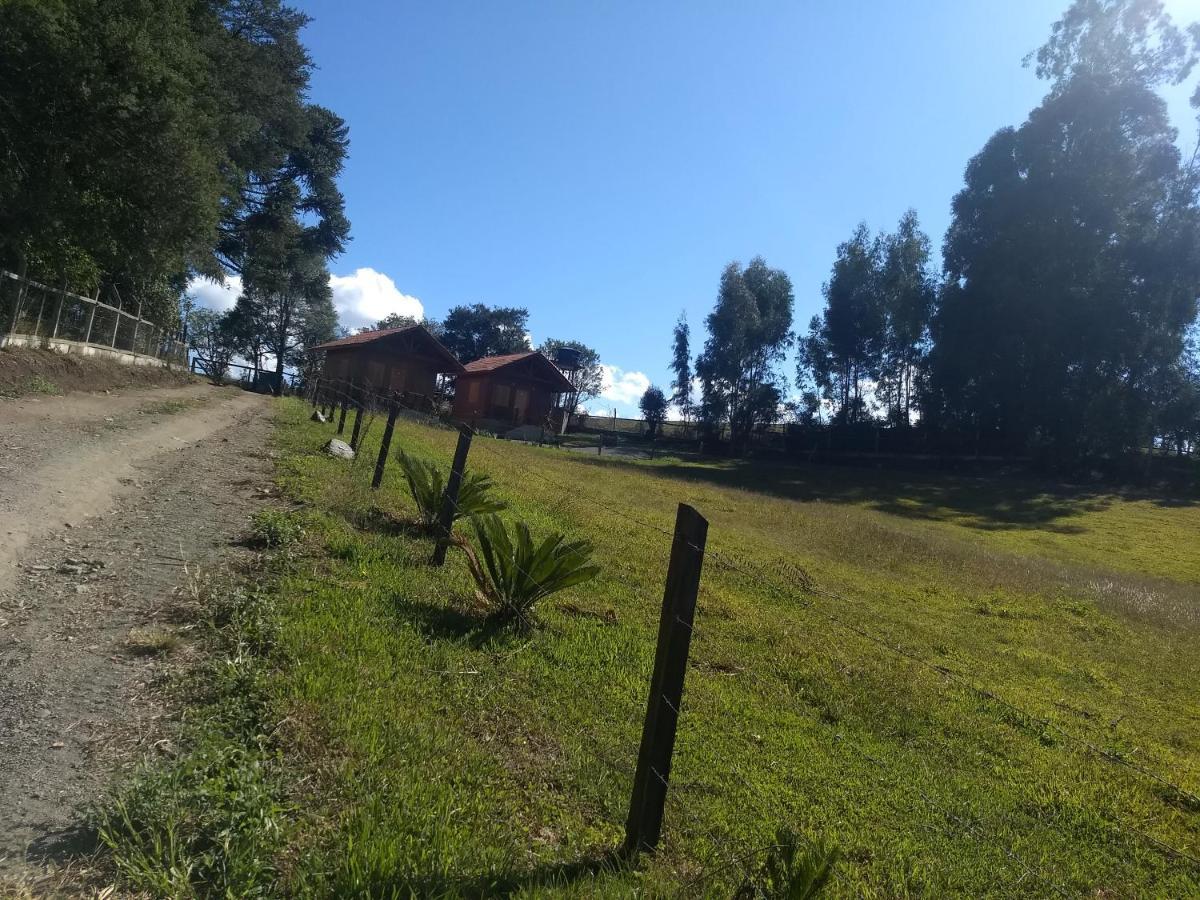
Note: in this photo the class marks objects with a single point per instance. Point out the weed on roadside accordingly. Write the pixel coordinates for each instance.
(151, 640)
(273, 529)
(40, 384)
(209, 821)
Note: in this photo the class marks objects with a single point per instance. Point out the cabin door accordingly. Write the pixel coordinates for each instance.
(521, 405)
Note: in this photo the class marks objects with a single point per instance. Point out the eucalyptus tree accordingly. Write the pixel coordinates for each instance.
(681, 368)
(1072, 263)
(749, 331)
(841, 355)
(907, 296)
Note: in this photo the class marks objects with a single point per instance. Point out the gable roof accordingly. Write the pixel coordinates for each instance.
(546, 369)
(418, 331)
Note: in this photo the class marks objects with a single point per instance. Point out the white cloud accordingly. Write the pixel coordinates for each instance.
(211, 295)
(619, 388)
(368, 296)
(360, 299)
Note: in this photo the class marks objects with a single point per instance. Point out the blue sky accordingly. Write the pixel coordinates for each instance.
(600, 162)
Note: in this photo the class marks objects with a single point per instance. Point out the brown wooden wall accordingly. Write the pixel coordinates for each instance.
(498, 396)
(382, 371)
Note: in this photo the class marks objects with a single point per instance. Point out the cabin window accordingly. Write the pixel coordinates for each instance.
(501, 394)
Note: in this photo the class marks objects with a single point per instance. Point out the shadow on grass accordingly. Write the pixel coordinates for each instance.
(455, 623)
(996, 501)
(380, 521)
(549, 876)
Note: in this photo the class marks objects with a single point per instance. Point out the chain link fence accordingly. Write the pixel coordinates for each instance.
(33, 314)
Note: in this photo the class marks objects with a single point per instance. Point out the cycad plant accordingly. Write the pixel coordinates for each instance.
(515, 573)
(794, 869)
(427, 485)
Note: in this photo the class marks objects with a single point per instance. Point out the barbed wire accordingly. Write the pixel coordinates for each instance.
(761, 577)
(571, 492)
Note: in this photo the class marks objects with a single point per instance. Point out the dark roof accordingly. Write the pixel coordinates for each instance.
(367, 337)
(549, 370)
(370, 337)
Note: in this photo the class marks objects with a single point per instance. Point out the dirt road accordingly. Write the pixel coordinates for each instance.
(109, 503)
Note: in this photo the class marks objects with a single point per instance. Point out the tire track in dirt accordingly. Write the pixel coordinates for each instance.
(150, 504)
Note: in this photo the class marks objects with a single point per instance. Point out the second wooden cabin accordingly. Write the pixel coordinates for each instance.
(517, 389)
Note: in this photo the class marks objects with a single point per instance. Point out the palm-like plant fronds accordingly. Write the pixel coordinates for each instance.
(794, 869)
(427, 485)
(515, 574)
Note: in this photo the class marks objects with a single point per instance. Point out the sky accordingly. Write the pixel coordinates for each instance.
(599, 163)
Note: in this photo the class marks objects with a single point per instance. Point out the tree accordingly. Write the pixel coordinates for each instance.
(473, 332)
(397, 320)
(248, 331)
(588, 377)
(109, 165)
(907, 300)
(1073, 258)
(843, 351)
(749, 331)
(212, 338)
(654, 409)
(139, 139)
(285, 277)
(1118, 41)
(681, 367)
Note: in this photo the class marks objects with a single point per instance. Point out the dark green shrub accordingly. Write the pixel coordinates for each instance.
(427, 485)
(515, 574)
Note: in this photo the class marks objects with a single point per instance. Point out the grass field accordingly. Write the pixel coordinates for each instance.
(422, 753)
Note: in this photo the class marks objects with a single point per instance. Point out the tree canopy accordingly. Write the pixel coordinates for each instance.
(475, 331)
(141, 141)
(681, 367)
(588, 377)
(749, 331)
(1073, 260)
(1062, 324)
(653, 405)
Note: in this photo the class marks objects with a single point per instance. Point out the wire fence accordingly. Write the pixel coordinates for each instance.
(34, 314)
(734, 852)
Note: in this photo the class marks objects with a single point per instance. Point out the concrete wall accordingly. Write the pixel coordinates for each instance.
(81, 349)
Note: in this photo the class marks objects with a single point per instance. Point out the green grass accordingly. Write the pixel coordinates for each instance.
(208, 818)
(273, 529)
(443, 757)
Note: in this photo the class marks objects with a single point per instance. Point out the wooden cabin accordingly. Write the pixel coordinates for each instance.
(517, 389)
(405, 360)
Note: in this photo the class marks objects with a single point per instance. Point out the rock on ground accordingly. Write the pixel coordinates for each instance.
(339, 449)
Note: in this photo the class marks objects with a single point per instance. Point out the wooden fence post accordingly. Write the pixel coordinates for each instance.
(450, 498)
(385, 444)
(316, 391)
(358, 417)
(342, 416)
(644, 826)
